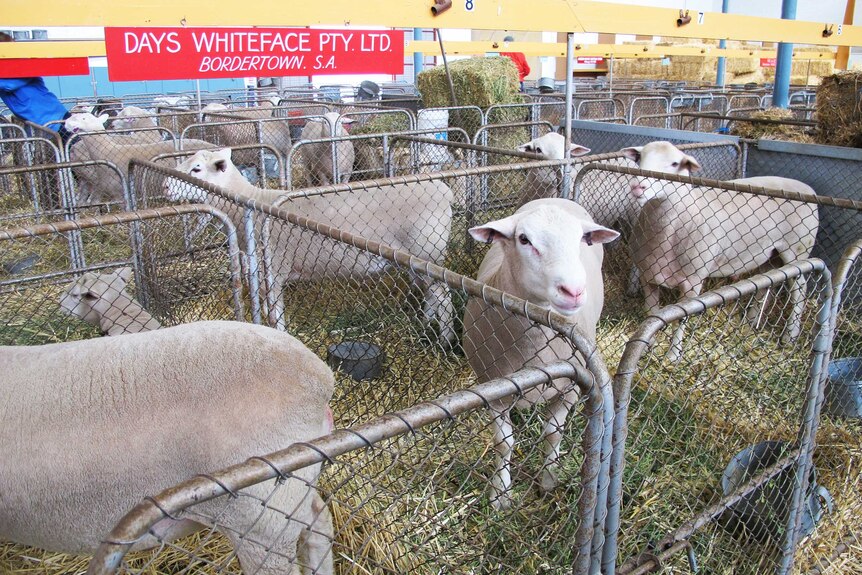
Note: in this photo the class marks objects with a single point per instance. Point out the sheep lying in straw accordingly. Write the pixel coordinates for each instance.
(414, 217)
(93, 426)
(685, 234)
(101, 300)
(99, 183)
(548, 253)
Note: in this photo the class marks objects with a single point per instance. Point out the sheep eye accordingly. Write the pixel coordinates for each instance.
(675, 164)
(538, 150)
(195, 170)
(525, 241)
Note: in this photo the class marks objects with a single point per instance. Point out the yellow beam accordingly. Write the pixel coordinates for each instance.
(605, 50)
(52, 49)
(536, 15)
(72, 49)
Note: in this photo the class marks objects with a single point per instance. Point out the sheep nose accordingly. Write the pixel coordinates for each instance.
(638, 189)
(571, 294)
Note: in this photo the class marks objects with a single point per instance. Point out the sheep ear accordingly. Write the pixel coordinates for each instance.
(223, 154)
(690, 163)
(596, 234)
(494, 231)
(103, 118)
(222, 159)
(576, 150)
(633, 154)
(528, 147)
(346, 120)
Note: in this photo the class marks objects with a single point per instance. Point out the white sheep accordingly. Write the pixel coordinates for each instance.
(414, 217)
(99, 183)
(318, 157)
(546, 182)
(132, 118)
(549, 253)
(91, 427)
(686, 234)
(101, 300)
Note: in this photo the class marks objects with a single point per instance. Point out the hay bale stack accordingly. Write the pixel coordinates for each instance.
(764, 131)
(479, 82)
(839, 110)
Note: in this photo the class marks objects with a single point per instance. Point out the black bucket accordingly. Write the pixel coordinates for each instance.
(358, 359)
(844, 388)
(763, 514)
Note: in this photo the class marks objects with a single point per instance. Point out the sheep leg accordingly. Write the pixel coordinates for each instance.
(797, 303)
(689, 290)
(265, 538)
(504, 443)
(438, 304)
(558, 411)
(651, 297)
(634, 285)
(315, 541)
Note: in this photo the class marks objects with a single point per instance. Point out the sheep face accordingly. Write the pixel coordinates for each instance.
(333, 123)
(542, 250)
(658, 157)
(90, 295)
(552, 146)
(215, 167)
(86, 122)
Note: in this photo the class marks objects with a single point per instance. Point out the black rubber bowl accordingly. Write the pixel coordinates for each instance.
(358, 359)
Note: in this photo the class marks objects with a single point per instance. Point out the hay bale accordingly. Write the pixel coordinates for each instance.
(479, 82)
(763, 131)
(839, 110)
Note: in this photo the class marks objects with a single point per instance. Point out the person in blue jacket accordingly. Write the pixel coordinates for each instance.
(31, 100)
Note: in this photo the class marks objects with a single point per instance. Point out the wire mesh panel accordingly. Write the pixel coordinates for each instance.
(718, 444)
(342, 159)
(649, 106)
(831, 172)
(403, 493)
(176, 264)
(604, 138)
(839, 441)
(600, 109)
(689, 234)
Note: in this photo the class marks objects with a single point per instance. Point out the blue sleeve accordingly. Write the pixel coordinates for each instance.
(12, 84)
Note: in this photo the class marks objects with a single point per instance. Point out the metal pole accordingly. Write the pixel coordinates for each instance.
(781, 91)
(570, 66)
(719, 75)
(418, 57)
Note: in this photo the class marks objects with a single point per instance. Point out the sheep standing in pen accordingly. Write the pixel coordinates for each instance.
(100, 183)
(548, 253)
(686, 234)
(414, 217)
(318, 157)
(91, 427)
(139, 123)
(101, 300)
(273, 132)
(546, 182)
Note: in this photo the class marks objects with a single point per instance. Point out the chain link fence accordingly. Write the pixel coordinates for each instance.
(717, 471)
(345, 289)
(176, 264)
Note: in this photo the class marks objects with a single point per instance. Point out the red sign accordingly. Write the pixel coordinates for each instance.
(590, 60)
(29, 67)
(767, 62)
(187, 53)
